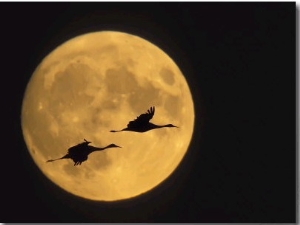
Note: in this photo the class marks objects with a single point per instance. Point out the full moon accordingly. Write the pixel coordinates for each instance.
(97, 82)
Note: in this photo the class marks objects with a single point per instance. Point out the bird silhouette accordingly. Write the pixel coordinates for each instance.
(79, 153)
(142, 124)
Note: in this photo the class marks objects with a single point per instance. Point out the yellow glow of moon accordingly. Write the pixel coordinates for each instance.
(92, 84)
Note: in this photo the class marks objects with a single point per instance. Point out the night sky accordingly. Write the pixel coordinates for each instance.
(239, 60)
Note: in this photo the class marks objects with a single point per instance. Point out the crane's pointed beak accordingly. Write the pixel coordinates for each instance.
(116, 146)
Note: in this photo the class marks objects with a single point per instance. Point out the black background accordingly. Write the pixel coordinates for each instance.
(239, 60)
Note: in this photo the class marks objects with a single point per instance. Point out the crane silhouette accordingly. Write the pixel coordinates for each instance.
(142, 124)
(79, 153)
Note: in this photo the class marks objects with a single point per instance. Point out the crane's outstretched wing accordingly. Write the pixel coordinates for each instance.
(143, 119)
(79, 147)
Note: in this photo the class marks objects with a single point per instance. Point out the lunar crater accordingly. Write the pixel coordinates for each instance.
(119, 81)
(167, 76)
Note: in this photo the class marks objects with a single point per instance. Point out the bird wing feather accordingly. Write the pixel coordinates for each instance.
(77, 148)
(74, 149)
(142, 119)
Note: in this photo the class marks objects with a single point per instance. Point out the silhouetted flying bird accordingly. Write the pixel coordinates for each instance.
(79, 153)
(142, 124)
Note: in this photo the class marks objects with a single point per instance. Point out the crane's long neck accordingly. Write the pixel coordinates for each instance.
(64, 157)
(160, 126)
(154, 126)
(94, 149)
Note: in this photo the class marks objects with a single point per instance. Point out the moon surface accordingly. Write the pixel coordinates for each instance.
(95, 83)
